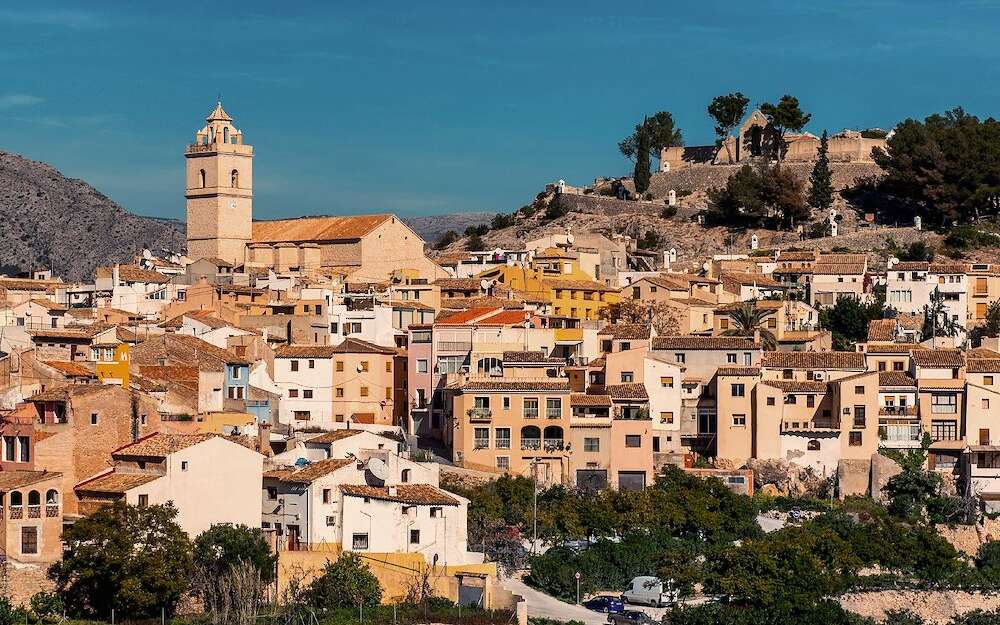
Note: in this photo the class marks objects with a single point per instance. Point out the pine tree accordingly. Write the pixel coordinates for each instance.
(641, 175)
(821, 191)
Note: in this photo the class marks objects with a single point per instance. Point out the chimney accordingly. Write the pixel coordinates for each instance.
(264, 439)
(391, 491)
(756, 335)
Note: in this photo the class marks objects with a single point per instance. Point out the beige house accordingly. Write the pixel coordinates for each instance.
(188, 470)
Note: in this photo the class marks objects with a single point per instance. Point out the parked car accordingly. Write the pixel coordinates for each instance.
(631, 617)
(648, 590)
(605, 603)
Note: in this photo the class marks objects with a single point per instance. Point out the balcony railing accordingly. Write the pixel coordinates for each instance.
(902, 411)
(52, 510)
(531, 444)
(479, 414)
(899, 433)
(554, 444)
(17, 512)
(454, 346)
(34, 512)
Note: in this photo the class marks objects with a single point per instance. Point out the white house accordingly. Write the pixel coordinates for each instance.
(304, 373)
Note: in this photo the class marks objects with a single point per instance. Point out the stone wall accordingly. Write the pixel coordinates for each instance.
(933, 606)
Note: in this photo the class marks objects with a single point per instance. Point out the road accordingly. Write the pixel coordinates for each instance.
(547, 606)
(768, 524)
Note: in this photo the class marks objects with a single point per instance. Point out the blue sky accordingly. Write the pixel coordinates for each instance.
(431, 107)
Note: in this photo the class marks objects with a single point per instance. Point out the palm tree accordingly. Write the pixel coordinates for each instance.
(747, 319)
(937, 320)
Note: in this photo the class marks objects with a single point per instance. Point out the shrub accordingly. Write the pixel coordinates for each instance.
(669, 212)
(47, 605)
(345, 583)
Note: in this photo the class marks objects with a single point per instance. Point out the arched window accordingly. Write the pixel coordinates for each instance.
(234, 178)
(34, 498)
(405, 476)
(52, 497)
(531, 437)
(225, 135)
(812, 445)
(490, 366)
(201, 178)
(16, 499)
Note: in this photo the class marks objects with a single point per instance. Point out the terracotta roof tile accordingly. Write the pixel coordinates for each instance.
(418, 494)
(333, 436)
(578, 285)
(581, 399)
(630, 390)
(10, 480)
(310, 472)
(913, 265)
(304, 351)
(736, 371)
(704, 342)
(468, 315)
(514, 385)
(793, 386)
(115, 482)
(160, 445)
(891, 348)
(895, 378)
(984, 365)
(813, 360)
(352, 345)
(938, 357)
(750, 279)
(882, 330)
(838, 269)
(505, 318)
(635, 331)
(71, 369)
(307, 229)
(521, 357)
(69, 391)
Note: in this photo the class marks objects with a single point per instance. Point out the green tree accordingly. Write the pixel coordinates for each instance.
(501, 220)
(766, 196)
(641, 174)
(649, 241)
(661, 133)
(991, 323)
(345, 583)
(135, 559)
(821, 179)
(747, 319)
(848, 320)
(11, 614)
(446, 239)
(945, 168)
(727, 111)
(221, 546)
(785, 116)
(902, 617)
(475, 243)
(48, 606)
(988, 560)
(937, 320)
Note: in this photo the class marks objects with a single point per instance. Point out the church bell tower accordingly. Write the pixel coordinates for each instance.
(219, 191)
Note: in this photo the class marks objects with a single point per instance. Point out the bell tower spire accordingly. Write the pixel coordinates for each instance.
(219, 190)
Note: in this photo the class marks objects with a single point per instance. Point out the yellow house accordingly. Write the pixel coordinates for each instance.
(111, 363)
(557, 278)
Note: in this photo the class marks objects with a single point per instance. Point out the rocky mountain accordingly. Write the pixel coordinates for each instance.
(432, 227)
(49, 220)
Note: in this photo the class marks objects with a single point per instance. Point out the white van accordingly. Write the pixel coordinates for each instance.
(649, 590)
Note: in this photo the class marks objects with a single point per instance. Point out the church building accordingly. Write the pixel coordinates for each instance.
(220, 222)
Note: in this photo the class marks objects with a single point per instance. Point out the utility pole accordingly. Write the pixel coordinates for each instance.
(534, 505)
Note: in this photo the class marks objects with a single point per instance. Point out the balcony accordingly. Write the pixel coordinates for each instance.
(898, 411)
(479, 414)
(531, 444)
(900, 433)
(554, 444)
(34, 512)
(17, 512)
(51, 510)
(454, 346)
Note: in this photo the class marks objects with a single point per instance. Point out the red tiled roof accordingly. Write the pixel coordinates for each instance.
(304, 351)
(505, 318)
(984, 365)
(704, 342)
(115, 482)
(514, 385)
(895, 378)
(793, 386)
(520, 357)
(629, 390)
(352, 345)
(634, 331)
(417, 494)
(305, 229)
(160, 445)
(581, 399)
(71, 369)
(468, 315)
(309, 472)
(813, 360)
(9, 480)
(938, 357)
(883, 330)
(736, 371)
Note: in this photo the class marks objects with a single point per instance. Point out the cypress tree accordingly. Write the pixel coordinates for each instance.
(821, 179)
(641, 175)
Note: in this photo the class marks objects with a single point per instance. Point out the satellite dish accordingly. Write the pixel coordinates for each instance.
(484, 284)
(378, 470)
(570, 238)
(359, 368)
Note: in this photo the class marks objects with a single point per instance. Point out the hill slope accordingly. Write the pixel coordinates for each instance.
(48, 220)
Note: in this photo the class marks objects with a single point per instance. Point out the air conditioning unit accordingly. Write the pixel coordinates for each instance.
(819, 376)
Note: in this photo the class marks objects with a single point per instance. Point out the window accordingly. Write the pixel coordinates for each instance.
(944, 430)
(944, 403)
(553, 408)
(307, 394)
(626, 376)
(24, 443)
(679, 358)
(331, 521)
(812, 445)
(326, 495)
(93, 418)
(422, 365)
(364, 391)
(592, 444)
(738, 390)
(503, 463)
(731, 358)
(503, 438)
(859, 390)
(482, 438)
(633, 440)
(293, 392)
(854, 439)
(626, 346)
(388, 366)
(986, 403)
(340, 391)
(29, 540)
(530, 407)
(810, 401)
(184, 465)
(272, 493)
(450, 364)
(301, 415)
(423, 336)
(770, 401)
(312, 364)
(667, 382)
(666, 417)
(724, 323)
(506, 403)
(388, 393)
(340, 366)
(364, 366)
(739, 420)
(859, 416)
(359, 542)
(790, 399)
(987, 380)
(414, 537)
(787, 374)
(294, 365)
(143, 501)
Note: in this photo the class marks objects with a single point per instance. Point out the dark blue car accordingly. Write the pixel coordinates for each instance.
(605, 603)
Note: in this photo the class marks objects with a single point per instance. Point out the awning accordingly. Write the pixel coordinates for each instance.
(948, 445)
